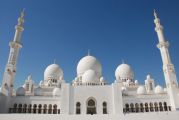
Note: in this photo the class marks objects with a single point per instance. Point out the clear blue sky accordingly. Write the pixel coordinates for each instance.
(112, 29)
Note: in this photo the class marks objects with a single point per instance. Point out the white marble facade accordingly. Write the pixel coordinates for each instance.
(89, 93)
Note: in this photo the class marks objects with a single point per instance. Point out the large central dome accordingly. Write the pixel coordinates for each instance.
(87, 63)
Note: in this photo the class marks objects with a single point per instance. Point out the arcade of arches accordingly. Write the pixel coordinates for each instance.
(146, 107)
(35, 109)
(90, 108)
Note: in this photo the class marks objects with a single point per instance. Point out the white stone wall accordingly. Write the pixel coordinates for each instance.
(99, 93)
(133, 116)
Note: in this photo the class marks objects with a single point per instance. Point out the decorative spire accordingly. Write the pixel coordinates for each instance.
(21, 18)
(155, 14)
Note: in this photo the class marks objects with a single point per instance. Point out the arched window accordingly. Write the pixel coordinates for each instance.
(141, 107)
(29, 108)
(160, 106)
(15, 108)
(58, 111)
(45, 109)
(50, 109)
(91, 107)
(20, 108)
(78, 108)
(127, 107)
(39, 108)
(24, 108)
(151, 107)
(34, 108)
(156, 107)
(146, 107)
(55, 109)
(165, 106)
(137, 107)
(131, 107)
(104, 108)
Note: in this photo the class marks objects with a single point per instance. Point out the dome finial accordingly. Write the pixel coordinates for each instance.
(54, 61)
(123, 62)
(88, 52)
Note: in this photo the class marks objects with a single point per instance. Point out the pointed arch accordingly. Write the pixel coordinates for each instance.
(151, 107)
(55, 109)
(156, 106)
(20, 108)
(24, 108)
(127, 107)
(29, 108)
(45, 108)
(91, 106)
(146, 107)
(165, 106)
(50, 109)
(78, 108)
(34, 108)
(160, 106)
(39, 109)
(136, 107)
(15, 108)
(131, 107)
(141, 107)
(105, 108)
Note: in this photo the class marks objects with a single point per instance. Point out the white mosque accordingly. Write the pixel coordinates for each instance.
(89, 96)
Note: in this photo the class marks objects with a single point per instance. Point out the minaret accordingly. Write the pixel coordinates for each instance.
(168, 67)
(10, 69)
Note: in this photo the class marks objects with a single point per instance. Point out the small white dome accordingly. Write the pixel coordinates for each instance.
(124, 71)
(136, 82)
(141, 90)
(159, 90)
(41, 83)
(128, 81)
(56, 92)
(90, 76)
(124, 90)
(38, 91)
(88, 62)
(165, 89)
(102, 79)
(53, 71)
(24, 86)
(20, 91)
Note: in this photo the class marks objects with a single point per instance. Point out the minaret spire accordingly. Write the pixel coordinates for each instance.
(19, 27)
(168, 67)
(155, 14)
(10, 69)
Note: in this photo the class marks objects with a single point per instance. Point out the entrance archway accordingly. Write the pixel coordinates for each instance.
(91, 106)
